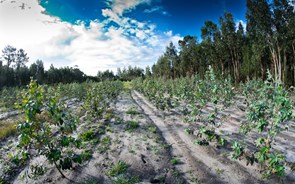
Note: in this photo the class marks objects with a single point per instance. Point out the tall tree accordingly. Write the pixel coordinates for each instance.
(172, 57)
(259, 31)
(232, 41)
(188, 55)
(9, 54)
(282, 22)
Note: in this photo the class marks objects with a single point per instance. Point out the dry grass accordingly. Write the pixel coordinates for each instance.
(7, 128)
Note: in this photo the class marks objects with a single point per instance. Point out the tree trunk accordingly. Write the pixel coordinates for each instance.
(285, 67)
(293, 48)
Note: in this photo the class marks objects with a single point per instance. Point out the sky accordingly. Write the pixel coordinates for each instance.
(97, 35)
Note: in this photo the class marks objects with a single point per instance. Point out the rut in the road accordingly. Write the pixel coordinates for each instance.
(202, 162)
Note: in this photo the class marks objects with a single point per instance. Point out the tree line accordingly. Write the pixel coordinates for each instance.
(266, 43)
(15, 72)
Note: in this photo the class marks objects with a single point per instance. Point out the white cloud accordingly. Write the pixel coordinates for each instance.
(121, 6)
(93, 48)
(244, 24)
(153, 9)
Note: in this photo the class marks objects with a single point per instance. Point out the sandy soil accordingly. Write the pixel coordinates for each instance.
(157, 151)
(212, 164)
(143, 149)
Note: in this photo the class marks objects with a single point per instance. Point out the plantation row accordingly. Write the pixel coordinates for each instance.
(48, 127)
(206, 104)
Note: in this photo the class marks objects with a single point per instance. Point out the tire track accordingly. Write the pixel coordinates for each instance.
(206, 166)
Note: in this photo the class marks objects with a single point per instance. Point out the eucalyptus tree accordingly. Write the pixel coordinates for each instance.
(173, 59)
(233, 43)
(188, 55)
(259, 32)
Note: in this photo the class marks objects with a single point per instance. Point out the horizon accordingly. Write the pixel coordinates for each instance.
(105, 35)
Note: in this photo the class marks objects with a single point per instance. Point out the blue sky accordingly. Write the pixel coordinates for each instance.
(105, 34)
(185, 17)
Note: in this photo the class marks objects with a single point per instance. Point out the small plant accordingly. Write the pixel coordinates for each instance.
(188, 131)
(174, 161)
(36, 171)
(152, 129)
(7, 129)
(131, 125)
(268, 111)
(132, 111)
(86, 155)
(104, 144)
(87, 135)
(117, 169)
(50, 136)
(123, 179)
(238, 150)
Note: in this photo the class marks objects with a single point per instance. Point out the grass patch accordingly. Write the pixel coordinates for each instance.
(7, 129)
(152, 129)
(131, 125)
(87, 135)
(132, 111)
(86, 155)
(126, 180)
(105, 144)
(174, 161)
(127, 85)
(119, 168)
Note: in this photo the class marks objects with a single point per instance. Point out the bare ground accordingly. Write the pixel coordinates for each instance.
(150, 149)
(143, 149)
(212, 164)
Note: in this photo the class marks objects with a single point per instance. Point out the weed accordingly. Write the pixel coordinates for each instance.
(165, 145)
(105, 144)
(108, 116)
(87, 135)
(174, 161)
(108, 129)
(176, 173)
(188, 131)
(7, 129)
(219, 171)
(119, 168)
(152, 129)
(86, 155)
(131, 126)
(36, 171)
(132, 111)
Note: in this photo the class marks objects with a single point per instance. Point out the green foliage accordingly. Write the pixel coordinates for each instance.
(36, 171)
(132, 111)
(50, 137)
(100, 95)
(188, 131)
(119, 168)
(174, 161)
(152, 129)
(238, 150)
(105, 144)
(87, 135)
(269, 110)
(7, 129)
(131, 125)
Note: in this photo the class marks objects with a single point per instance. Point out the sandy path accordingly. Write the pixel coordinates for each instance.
(209, 164)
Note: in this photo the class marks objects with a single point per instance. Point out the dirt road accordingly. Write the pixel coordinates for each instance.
(208, 164)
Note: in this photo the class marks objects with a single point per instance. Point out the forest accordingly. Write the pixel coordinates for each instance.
(267, 42)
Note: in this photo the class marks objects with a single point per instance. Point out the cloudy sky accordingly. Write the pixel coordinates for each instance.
(105, 34)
